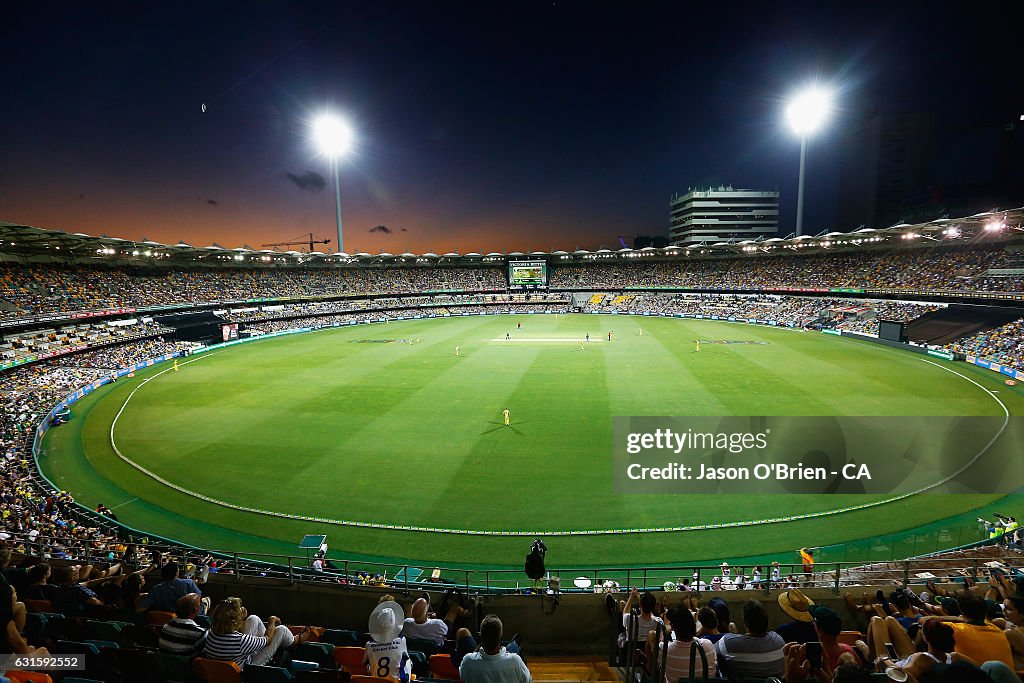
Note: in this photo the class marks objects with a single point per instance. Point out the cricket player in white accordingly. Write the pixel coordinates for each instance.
(387, 655)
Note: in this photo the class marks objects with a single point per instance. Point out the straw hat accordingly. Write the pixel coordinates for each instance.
(796, 604)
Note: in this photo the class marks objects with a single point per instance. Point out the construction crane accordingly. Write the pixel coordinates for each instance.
(306, 243)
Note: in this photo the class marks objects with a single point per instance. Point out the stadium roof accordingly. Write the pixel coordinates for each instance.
(28, 242)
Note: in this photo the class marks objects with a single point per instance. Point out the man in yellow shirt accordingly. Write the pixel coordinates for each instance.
(807, 558)
(976, 638)
(506, 414)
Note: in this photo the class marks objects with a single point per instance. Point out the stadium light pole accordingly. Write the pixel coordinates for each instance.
(334, 137)
(806, 112)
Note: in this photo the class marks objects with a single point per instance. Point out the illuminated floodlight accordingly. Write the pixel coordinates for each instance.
(808, 110)
(806, 113)
(333, 136)
(994, 225)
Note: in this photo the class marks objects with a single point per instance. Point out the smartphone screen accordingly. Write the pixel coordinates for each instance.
(813, 650)
(891, 649)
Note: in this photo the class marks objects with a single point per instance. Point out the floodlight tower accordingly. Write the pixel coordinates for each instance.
(806, 113)
(334, 137)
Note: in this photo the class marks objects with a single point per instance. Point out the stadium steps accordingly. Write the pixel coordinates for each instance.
(572, 670)
(949, 324)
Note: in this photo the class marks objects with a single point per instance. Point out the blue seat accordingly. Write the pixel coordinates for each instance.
(343, 638)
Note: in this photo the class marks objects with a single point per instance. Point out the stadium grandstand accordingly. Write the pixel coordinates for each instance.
(296, 583)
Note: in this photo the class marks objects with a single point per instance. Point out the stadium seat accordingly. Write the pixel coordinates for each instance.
(850, 637)
(321, 676)
(29, 677)
(102, 644)
(441, 667)
(138, 666)
(105, 630)
(426, 646)
(420, 664)
(95, 662)
(58, 627)
(140, 636)
(351, 659)
(344, 638)
(321, 653)
(158, 618)
(175, 668)
(35, 625)
(253, 673)
(370, 679)
(38, 605)
(217, 671)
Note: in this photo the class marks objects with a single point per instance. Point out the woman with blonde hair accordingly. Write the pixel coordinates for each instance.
(240, 637)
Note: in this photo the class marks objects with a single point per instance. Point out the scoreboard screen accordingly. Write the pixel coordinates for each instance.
(891, 330)
(527, 274)
(229, 332)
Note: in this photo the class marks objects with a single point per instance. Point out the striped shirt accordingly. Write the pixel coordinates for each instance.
(182, 637)
(678, 664)
(235, 647)
(741, 655)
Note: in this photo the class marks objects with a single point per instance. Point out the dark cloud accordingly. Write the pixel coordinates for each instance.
(81, 196)
(212, 202)
(404, 230)
(383, 229)
(310, 181)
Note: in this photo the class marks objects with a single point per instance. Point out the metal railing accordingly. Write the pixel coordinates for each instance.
(292, 569)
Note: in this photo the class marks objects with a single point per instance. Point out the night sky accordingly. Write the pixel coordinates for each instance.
(480, 126)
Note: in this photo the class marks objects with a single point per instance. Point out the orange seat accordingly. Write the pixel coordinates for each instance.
(850, 637)
(157, 618)
(351, 659)
(29, 677)
(441, 667)
(217, 671)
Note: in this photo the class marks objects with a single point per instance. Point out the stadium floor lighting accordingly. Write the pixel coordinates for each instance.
(333, 137)
(807, 112)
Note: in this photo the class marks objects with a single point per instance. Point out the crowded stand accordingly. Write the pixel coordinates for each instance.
(1004, 345)
(855, 315)
(863, 319)
(49, 342)
(412, 304)
(37, 289)
(949, 270)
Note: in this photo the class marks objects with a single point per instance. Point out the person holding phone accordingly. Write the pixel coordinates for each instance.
(828, 625)
(940, 640)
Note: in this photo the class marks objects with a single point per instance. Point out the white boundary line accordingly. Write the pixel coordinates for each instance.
(587, 532)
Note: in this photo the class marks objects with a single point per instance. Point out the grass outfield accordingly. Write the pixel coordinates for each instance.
(341, 424)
